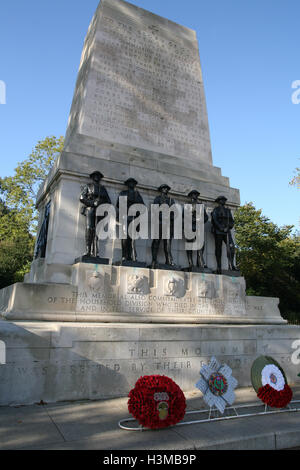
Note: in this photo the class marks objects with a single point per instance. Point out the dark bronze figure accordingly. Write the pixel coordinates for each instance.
(164, 199)
(194, 200)
(222, 223)
(92, 196)
(133, 197)
(41, 244)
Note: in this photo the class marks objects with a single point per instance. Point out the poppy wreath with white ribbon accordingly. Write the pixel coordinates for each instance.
(156, 402)
(270, 383)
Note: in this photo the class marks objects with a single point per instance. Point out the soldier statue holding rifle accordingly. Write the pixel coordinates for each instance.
(92, 196)
(222, 223)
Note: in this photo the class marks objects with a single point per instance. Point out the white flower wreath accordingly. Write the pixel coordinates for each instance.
(217, 384)
(271, 375)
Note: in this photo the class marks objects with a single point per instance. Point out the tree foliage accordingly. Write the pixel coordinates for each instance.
(18, 215)
(20, 190)
(269, 258)
(296, 180)
(16, 246)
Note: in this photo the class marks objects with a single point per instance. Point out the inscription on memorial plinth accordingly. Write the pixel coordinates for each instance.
(145, 84)
(125, 291)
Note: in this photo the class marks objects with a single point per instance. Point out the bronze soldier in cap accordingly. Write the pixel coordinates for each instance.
(133, 197)
(163, 199)
(222, 222)
(92, 196)
(194, 200)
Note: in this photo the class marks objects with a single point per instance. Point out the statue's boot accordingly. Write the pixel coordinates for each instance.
(154, 256)
(88, 242)
(169, 261)
(94, 244)
(219, 268)
(133, 250)
(124, 250)
(200, 259)
(88, 251)
(230, 255)
(189, 254)
(233, 267)
(168, 253)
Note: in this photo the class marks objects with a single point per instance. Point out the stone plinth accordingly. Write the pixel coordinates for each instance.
(106, 293)
(57, 361)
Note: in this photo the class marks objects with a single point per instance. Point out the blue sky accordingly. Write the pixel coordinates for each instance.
(249, 51)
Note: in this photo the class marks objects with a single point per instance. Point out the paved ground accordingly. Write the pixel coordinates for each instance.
(94, 426)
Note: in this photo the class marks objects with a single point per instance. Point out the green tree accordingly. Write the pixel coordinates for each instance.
(18, 215)
(16, 246)
(19, 191)
(269, 258)
(296, 180)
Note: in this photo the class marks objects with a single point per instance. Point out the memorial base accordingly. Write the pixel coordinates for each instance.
(106, 293)
(166, 267)
(94, 335)
(56, 361)
(131, 264)
(227, 272)
(91, 260)
(196, 269)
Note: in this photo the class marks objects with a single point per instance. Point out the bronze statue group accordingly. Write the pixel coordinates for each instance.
(94, 194)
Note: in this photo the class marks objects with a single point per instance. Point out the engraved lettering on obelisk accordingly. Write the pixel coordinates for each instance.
(145, 84)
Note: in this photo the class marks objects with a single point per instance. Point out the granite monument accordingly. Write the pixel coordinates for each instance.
(80, 330)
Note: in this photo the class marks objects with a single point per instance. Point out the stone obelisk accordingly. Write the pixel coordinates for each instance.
(140, 85)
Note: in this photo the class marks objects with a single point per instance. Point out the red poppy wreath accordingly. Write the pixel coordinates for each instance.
(156, 402)
(270, 383)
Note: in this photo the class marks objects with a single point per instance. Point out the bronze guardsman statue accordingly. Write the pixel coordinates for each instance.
(92, 196)
(222, 222)
(133, 197)
(41, 244)
(163, 199)
(194, 200)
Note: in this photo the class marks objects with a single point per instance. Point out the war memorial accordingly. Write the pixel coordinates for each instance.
(93, 314)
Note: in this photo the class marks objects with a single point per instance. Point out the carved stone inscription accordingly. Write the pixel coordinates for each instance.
(145, 87)
(126, 291)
